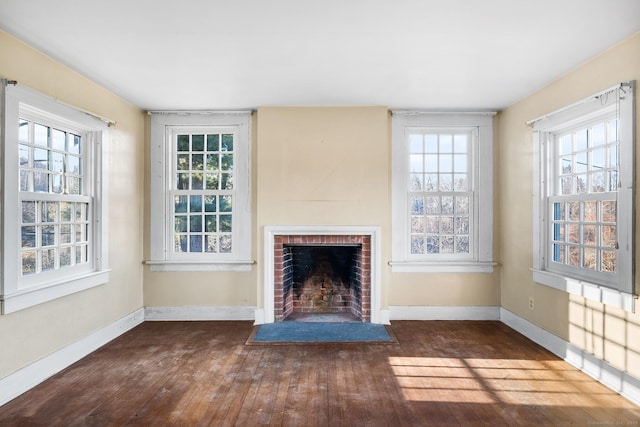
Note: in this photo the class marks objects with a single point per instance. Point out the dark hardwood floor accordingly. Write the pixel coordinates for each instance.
(441, 373)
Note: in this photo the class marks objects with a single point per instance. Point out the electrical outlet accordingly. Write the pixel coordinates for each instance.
(531, 303)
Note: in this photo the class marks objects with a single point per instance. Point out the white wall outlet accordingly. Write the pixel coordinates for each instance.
(531, 303)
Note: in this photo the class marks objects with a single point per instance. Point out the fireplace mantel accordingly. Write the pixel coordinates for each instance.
(267, 313)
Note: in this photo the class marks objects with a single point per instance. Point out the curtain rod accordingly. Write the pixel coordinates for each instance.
(582, 101)
(103, 119)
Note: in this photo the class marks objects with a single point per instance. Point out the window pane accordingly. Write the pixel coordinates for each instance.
(415, 144)
(433, 206)
(446, 143)
(180, 205)
(225, 223)
(417, 244)
(226, 162)
(48, 259)
(183, 143)
(28, 212)
(196, 181)
(195, 243)
(213, 142)
(211, 243)
(74, 144)
(58, 140)
(609, 211)
(446, 182)
(197, 142)
(460, 143)
(227, 143)
(210, 224)
(431, 143)
(225, 244)
(212, 162)
(416, 163)
(226, 203)
(182, 162)
(462, 244)
(40, 135)
(195, 223)
(195, 203)
(447, 207)
(28, 263)
(29, 237)
(213, 182)
(181, 224)
(65, 257)
(49, 211)
(210, 203)
(415, 182)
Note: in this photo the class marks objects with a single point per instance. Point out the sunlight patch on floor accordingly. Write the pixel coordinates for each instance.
(508, 381)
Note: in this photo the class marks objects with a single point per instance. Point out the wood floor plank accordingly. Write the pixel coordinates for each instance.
(444, 373)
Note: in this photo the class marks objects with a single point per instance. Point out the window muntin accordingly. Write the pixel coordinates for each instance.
(584, 187)
(200, 191)
(439, 191)
(203, 192)
(583, 202)
(55, 199)
(55, 207)
(442, 192)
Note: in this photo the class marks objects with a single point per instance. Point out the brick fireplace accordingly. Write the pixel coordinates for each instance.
(338, 272)
(316, 274)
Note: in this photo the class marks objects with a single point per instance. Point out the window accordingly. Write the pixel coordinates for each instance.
(584, 197)
(442, 192)
(54, 199)
(201, 195)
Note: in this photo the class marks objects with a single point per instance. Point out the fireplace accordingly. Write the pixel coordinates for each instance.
(320, 269)
(322, 274)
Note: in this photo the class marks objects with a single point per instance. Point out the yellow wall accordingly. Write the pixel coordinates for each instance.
(607, 332)
(33, 333)
(321, 166)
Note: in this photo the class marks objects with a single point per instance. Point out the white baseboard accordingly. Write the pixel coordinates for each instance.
(617, 380)
(403, 312)
(28, 377)
(200, 313)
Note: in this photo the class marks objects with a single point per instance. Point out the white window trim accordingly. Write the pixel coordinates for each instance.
(162, 123)
(585, 110)
(481, 260)
(18, 294)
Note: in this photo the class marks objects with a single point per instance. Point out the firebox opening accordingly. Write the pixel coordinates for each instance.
(322, 281)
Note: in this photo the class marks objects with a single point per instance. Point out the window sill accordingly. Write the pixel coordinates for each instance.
(587, 290)
(29, 297)
(442, 267)
(231, 265)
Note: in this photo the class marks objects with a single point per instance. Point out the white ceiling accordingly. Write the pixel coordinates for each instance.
(236, 54)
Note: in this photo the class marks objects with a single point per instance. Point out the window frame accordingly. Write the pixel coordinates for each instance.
(616, 289)
(20, 292)
(164, 126)
(480, 257)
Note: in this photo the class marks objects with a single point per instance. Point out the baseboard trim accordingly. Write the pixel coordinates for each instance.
(617, 380)
(403, 312)
(30, 376)
(200, 313)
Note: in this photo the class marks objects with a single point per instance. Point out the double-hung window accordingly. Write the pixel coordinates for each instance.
(54, 199)
(442, 192)
(583, 219)
(201, 192)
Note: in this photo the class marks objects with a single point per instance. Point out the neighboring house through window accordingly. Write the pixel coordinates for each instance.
(54, 205)
(201, 193)
(583, 201)
(442, 192)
